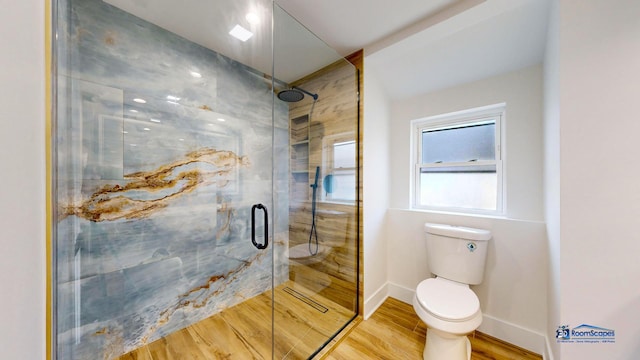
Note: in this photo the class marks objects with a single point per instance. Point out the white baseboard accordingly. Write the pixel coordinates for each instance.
(401, 293)
(374, 301)
(503, 330)
(513, 334)
(547, 354)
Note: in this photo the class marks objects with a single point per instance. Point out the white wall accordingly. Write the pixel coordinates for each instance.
(513, 294)
(599, 82)
(375, 187)
(552, 178)
(22, 184)
(522, 92)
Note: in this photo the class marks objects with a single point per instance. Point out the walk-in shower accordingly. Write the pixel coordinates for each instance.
(186, 183)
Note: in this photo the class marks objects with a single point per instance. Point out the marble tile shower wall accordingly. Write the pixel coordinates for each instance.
(154, 199)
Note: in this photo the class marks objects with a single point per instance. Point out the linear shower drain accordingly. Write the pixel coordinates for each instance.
(305, 299)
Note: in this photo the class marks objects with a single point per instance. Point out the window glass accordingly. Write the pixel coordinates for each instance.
(459, 144)
(339, 157)
(459, 165)
(344, 155)
(458, 189)
(343, 182)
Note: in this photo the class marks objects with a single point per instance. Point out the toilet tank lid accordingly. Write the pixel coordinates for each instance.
(460, 232)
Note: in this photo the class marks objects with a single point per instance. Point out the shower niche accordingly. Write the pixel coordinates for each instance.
(164, 145)
(299, 140)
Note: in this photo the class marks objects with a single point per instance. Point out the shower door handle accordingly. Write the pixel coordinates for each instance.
(253, 226)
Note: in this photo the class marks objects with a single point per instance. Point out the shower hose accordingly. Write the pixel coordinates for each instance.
(314, 231)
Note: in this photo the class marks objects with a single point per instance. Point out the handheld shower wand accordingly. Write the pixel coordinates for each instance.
(313, 230)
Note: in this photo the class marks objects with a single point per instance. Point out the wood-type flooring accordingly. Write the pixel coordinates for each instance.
(303, 322)
(302, 325)
(395, 332)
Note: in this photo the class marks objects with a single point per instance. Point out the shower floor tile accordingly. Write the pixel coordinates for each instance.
(303, 321)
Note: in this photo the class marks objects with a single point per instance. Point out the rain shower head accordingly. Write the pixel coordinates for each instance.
(290, 95)
(295, 94)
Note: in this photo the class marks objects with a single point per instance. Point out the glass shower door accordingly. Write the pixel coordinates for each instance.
(319, 90)
(164, 179)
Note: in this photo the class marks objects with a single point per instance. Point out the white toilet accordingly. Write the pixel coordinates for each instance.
(446, 304)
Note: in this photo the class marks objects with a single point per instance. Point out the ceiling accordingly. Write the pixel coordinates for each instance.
(415, 46)
(412, 46)
(356, 24)
(297, 51)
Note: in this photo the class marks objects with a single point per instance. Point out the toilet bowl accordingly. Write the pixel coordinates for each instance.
(447, 305)
(451, 311)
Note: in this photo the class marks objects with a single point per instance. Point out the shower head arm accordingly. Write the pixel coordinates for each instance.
(314, 96)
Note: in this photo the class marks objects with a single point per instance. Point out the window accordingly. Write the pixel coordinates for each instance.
(458, 161)
(339, 158)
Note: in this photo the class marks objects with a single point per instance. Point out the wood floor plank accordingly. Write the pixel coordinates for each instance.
(394, 331)
(219, 340)
(380, 338)
(251, 322)
(245, 331)
(488, 347)
(299, 311)
(138, 354)
(172, 347)
(395, 311)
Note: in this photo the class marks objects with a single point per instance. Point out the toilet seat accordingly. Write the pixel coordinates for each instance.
(447, 300)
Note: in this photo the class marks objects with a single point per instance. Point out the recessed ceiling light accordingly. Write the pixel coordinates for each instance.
(195, 74)
(141, 101)
(154, 120)
(146, 129)
(221, 119)
(133, 144)
(173, 98)
(210, 124)
(181, 139)
(240, 33)
(252, 18)
(125, 132)
(133, 111)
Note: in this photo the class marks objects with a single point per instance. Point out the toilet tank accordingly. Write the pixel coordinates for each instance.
(457, 253)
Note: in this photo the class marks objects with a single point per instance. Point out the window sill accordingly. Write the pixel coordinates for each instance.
(459, 213)
(329, 202)
(345, 203)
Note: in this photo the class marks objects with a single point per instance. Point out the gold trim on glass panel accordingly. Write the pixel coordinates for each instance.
(49, 215)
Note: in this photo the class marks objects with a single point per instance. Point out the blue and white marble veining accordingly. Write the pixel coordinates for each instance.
(133, 273)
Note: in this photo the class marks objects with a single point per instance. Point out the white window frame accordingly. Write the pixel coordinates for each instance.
(449, 120)
(328, 143)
